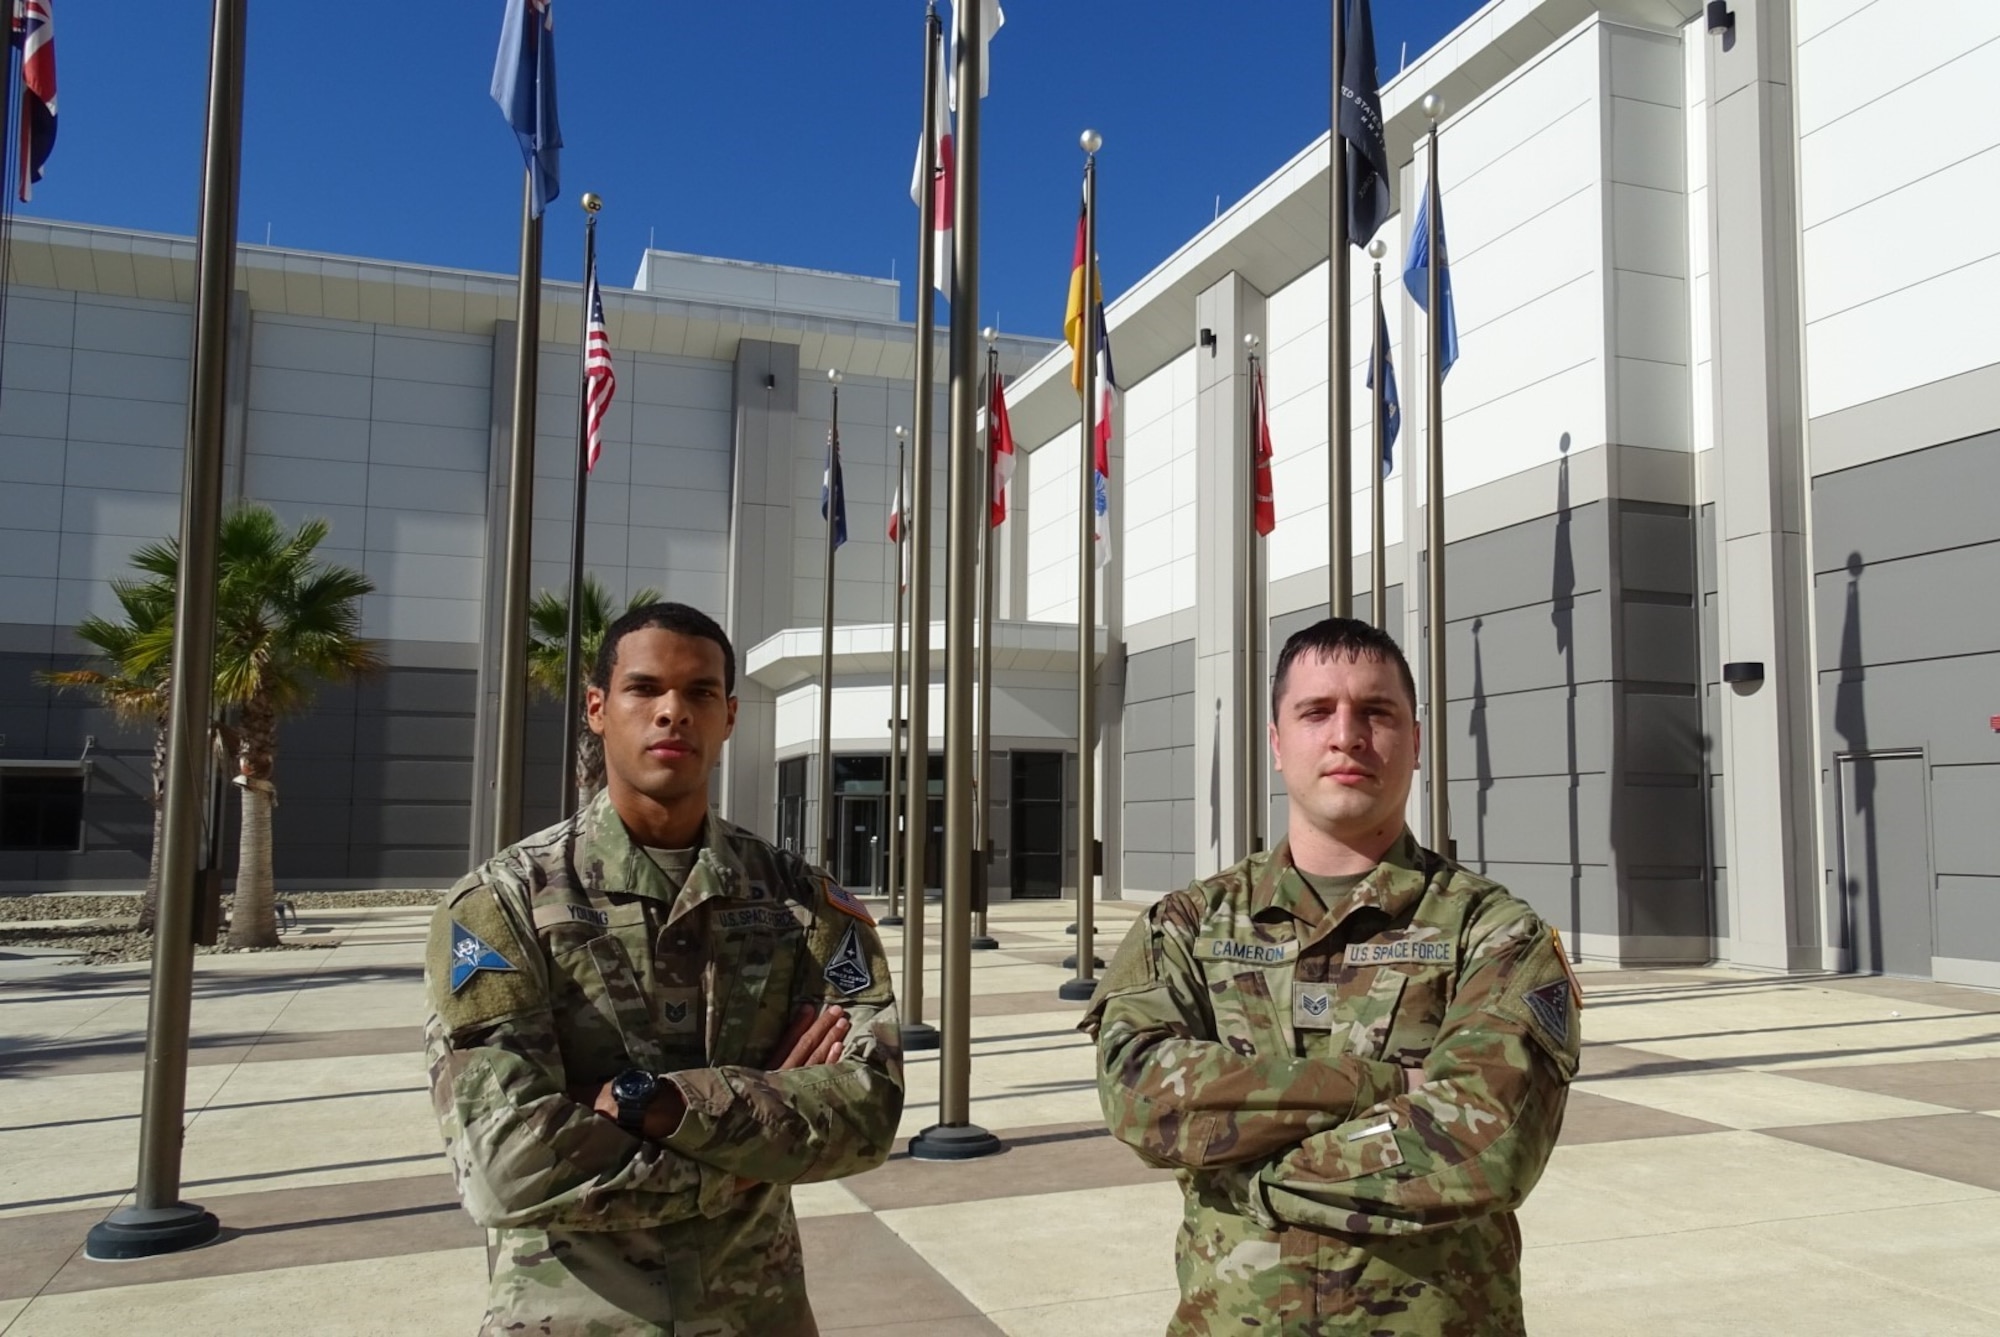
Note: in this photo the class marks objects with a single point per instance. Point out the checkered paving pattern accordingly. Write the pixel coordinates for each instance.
(1742, 1153)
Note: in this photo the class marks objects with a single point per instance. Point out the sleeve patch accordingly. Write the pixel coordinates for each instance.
(479, 971)
(841, 899)
(1550, 1008)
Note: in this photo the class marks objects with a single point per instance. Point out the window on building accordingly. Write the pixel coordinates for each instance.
(41, 810)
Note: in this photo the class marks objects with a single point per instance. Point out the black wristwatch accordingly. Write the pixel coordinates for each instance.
(634, 1090)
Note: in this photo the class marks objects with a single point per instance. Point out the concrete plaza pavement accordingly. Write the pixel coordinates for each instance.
(1742, 1154)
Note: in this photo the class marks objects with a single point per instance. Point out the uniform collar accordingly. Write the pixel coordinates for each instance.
(1391, 886)
(608, 859)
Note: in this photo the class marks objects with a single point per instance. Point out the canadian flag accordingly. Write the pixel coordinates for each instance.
(1000, 438)
(939, 179)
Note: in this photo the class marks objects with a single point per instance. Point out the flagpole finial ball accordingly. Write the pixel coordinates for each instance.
(592, 201)
(1250, 342)
(1433, 106)
(1091, 141)
(833, 374)
(991, 334)
(901, 433)
(1377, 249)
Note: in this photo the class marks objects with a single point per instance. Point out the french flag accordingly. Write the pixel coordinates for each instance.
(35, 34)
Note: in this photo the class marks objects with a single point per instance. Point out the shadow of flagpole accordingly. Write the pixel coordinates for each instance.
(1482, 752)
(1861, 900)
(1562, 614)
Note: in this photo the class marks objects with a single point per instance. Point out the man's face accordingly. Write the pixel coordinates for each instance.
(1345, 739)
(664, 717)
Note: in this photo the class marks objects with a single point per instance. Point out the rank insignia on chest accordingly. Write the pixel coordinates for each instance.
(470, 955)
(675, 1013)
(848, 971)
(1312, 1008)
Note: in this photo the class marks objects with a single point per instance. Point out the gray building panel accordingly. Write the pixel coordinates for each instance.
(1159, 782)
(1965, 822)
(1542, 732)
(1529, 820)
(1967, 917)
(1944, 500)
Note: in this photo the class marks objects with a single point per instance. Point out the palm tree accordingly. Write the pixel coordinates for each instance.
(548, 662)
(133, 686)
(284, 623)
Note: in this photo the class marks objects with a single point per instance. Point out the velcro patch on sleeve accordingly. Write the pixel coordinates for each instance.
(477, 969)
(1542, 999)
(843, 900)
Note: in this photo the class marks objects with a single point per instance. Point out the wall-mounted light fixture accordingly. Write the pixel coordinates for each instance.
(1721, 20)
(770, 380)
(1208, 340)
(1743, 672)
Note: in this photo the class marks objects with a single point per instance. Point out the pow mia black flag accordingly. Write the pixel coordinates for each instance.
(1361, 129)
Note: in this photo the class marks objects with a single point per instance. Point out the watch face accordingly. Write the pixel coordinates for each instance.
(634, 1087)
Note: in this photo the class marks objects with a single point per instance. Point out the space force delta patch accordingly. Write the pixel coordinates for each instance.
(470, 955)
(1549, 1006)
(848, 971)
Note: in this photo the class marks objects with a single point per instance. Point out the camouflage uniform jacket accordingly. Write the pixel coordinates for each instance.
(565, 960)
(1256, 1043)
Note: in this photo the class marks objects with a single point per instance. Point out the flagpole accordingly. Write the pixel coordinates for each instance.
(513, 704)
(954, 1137)
(1253, 618)
(157, 1221)
(982, 836)
(917, 1035)
(569, 772)
(1378, 558)
(1440, 749)
(895, 916)
(1084, 984)
(1339, 349)
(833, 506)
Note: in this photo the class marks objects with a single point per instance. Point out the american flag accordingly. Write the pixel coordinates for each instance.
(598, 379)
(35, 33)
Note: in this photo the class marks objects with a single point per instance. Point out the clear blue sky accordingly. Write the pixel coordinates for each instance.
(781, 131)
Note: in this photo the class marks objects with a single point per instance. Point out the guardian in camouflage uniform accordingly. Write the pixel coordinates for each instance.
(573, 956)
(1358, 1079)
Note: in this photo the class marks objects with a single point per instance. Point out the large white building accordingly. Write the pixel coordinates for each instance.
(1726, 396)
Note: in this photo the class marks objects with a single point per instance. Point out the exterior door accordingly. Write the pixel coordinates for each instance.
(1037, 811)
(1885, 858)
(860, 828)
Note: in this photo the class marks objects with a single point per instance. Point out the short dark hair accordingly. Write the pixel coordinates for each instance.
(678, 618)
(1346, 638)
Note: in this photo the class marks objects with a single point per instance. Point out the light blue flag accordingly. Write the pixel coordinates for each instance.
(1416, 277)
(524, 84)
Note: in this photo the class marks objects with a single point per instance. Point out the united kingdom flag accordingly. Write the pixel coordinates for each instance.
(35, 34)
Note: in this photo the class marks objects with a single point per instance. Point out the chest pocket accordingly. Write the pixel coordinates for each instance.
(754, 955)
(1249, 992)
(603, 1011)
(1388, 1013)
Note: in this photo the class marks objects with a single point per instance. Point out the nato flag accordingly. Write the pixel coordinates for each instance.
(1416, 277)
(524, 84)
(1361, 129)
(1392, 407)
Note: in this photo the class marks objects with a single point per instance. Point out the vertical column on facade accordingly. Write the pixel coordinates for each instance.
(1767, 726)
(1225, 312)
(486, 716)
(766, 397)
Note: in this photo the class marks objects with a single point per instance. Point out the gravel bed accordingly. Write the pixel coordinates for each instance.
(109, 934)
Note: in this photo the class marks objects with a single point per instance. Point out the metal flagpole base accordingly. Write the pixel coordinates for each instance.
(1077, 990)
(918, 1036)
(982, 943)
(1069, 962)
(889, 921)
(147, 1232)
(953, 1142)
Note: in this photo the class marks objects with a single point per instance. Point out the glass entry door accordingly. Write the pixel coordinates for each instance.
(860, 829)
(1038, 825)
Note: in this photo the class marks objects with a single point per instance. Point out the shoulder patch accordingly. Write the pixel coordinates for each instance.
(843, 900)
(1550, 1008)
(470, 954)
(478, 969)
(848, 971)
